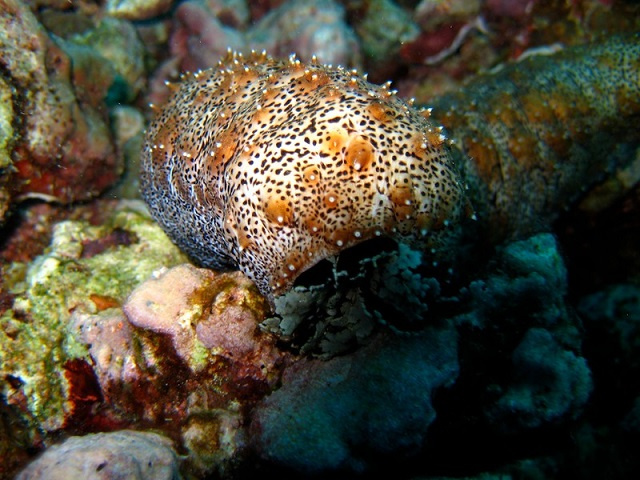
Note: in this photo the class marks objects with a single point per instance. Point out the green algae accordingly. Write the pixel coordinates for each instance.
(35, 341)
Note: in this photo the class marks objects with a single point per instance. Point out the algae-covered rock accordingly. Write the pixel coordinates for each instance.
(188, 357)
(86, 269)
(117, 42)
(60, 136)
(6, 144)
(384, 27)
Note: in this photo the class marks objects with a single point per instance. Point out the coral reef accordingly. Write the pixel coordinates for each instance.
(503, 354)
(124, 454)
(202, 355)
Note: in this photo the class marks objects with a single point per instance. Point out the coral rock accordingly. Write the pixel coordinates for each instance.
(125, 454)
(271, 166)
(6, 141)
(307, 29)
(203, 31)
(195, 307)
(86, 269)
(199, 38)
(60, 138)
(137, 9)
(551, 383)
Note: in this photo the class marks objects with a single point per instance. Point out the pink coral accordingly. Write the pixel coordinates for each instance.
(199, 38)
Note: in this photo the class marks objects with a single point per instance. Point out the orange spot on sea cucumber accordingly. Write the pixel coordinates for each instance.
(379, 112)
(335, 140)
(164, 139)
(359, 154)
(402, 202)
(424, 223)
(313, 224)
(331, 200)
(484, 156)
(434, 137)
(279, 211)
(311, 175)
(339, 238)
(316, 78)
(244, 238)
(224, 151)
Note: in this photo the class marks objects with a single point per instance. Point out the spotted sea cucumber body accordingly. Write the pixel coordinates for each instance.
(270, 166)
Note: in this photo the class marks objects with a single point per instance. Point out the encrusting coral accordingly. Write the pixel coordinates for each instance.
(271, 166)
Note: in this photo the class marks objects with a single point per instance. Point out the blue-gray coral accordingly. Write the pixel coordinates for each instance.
(341, 413)
(550, 383)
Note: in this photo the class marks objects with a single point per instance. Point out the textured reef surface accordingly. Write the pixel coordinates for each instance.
(433, 278)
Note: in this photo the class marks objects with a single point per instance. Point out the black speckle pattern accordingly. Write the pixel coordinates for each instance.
(270, 166)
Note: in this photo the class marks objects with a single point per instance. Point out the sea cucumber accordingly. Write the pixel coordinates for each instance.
(269, 166)
(532, 137)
